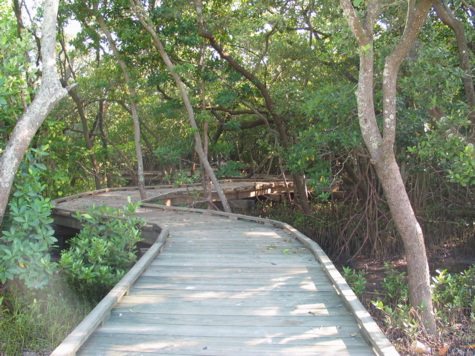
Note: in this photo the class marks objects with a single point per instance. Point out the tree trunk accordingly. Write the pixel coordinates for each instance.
(87, 137)
(49, 94)
(143, 17)
(101, 112)
(381, 146)
(413, 238)
(133, 106)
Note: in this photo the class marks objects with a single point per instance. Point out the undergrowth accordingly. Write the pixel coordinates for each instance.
(38, 320)
(38, 307)
(454, 305)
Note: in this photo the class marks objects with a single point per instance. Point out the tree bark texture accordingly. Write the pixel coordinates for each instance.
(49, 94)
(145, 21)
(381, 145)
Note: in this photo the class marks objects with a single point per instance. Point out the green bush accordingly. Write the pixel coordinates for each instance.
(453, 298)
(394, 303)
(25, 244)
(230, 169)
(181, 178)
(454, 295)
(395, 289)
(104, 250)
(356, 280)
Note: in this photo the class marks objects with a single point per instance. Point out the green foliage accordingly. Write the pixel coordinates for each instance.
(225, 97)
(355, 279)
(233, 125)
(454, 295)
(446, 148)
(230, 169)
(329, 130)
(453, 298)
(26, 244)
(395, 290)
(223, 148)
(394, 302)
(15, 68)
(104, 250)
(182, 178)
(400, 318)
(172, 150)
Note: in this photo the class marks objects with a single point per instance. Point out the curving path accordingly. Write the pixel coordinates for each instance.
(224, 284)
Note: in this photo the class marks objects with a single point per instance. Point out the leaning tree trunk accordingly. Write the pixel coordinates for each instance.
(133, 106)
(49, 94)
(145, 21)
(381, 146)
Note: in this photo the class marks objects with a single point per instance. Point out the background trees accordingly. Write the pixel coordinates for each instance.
(271, 87)
(269, 90)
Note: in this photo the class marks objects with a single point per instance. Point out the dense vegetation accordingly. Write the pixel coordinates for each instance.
(303, 58)
(247, 88)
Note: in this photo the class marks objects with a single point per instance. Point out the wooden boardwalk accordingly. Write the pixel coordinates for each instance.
(225, 284)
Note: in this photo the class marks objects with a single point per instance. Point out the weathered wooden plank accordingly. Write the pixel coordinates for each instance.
(167, 273)
(271, 269)
(117, 343)
(147, 303)
(308, 320)
(284, 351)
(228, 331)
(235, 244)
(223, 287)
(184, 308)
(178, 349)
(222, 261)
(169, 262)
(227, 278)
(243, 250)
(194, 292)
(279, 251)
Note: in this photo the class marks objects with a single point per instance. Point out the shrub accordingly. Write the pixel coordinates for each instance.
(454, 295)
(104, 250)
(182, 178)
(395, 289)
(356, 280)
(230, 169)
(25, 245)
